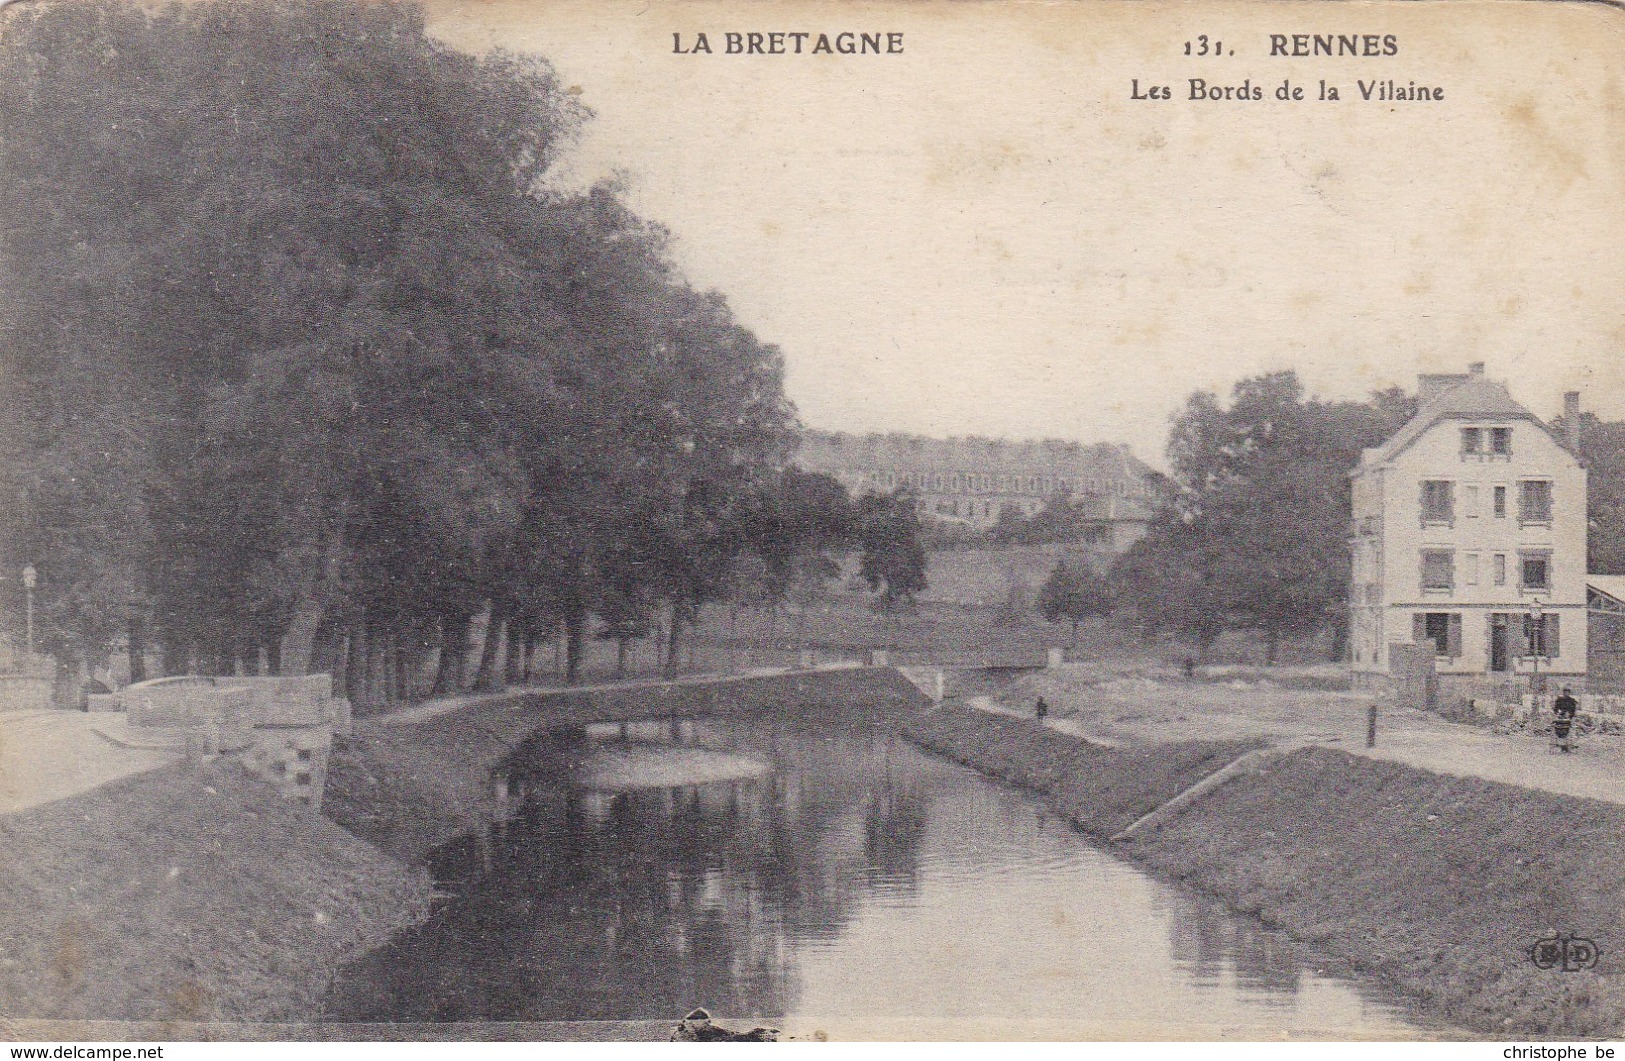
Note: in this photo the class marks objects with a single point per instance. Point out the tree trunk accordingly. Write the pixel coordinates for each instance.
(674, 643)
(377, 665)
(486, 676)
(138, 648)
(383, 637)
(401, 650)
(1272, 645)
(273, 655)
(620, 658)
(448, 679)
(1337, 651)
(325, 643)
(533, 653)
(575, 628)
(414, 654)
(355, 666)
(518, 643)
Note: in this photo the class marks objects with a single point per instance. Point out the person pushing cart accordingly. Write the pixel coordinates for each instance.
(1564, 708)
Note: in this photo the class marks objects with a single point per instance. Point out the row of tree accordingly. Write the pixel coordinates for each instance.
(1252, 532)
(298, 328)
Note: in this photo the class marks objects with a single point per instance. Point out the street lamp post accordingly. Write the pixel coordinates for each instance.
(29, 577)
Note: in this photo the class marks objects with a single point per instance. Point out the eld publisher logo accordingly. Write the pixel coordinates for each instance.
(1565, 952)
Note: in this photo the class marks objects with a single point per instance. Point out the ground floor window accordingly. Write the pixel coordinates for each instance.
(1541, 636)
(1442, 628)
(1517, 636)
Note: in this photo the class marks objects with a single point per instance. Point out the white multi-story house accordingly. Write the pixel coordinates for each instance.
(1469, 532)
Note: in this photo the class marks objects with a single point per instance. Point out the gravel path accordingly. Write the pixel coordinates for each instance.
(1133, 710)
(49, 755)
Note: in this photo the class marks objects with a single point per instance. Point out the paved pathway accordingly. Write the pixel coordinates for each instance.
(1072, 726)
(1593, 770)
(50, 755)
(1596, 769)
(433, 709)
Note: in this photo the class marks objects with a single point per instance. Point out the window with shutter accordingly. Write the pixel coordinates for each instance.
(1535, 569)
(1438, 569)
(1541, 638)
(1438, 501)
(1535, 501)
(1419, 626)
(1453, 637)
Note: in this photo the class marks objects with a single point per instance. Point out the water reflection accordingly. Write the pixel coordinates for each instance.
(857, 877)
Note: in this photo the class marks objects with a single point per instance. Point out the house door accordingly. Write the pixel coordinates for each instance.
(1500, 657)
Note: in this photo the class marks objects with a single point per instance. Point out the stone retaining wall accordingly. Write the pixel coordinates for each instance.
(285, 723)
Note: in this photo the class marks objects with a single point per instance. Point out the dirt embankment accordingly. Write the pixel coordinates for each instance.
(186, 894)
(1101, 790)
(410, 788)
(1438, 885)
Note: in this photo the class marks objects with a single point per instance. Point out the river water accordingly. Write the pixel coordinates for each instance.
(827, 880)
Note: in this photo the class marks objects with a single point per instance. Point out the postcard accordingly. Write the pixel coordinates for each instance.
(701, 520)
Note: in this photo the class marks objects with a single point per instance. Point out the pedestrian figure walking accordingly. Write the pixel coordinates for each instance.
(1042, 709)
(1564, 709)
(1190, 668)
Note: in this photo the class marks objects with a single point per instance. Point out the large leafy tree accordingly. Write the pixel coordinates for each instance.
(295, 325)
(1255, 532)
(892, 559)
(1602, 447)
(1072, 593)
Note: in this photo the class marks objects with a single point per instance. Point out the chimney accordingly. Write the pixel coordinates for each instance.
(1476, 368)
(1571, 419)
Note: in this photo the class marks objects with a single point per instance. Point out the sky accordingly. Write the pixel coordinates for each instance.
(987, 235)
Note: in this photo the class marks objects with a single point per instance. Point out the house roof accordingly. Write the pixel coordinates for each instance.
(825, 450)
(835, 451)
(1475, 398)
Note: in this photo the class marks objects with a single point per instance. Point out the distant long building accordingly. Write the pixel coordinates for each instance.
(972, 481)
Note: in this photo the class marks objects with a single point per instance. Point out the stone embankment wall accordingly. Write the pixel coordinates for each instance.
(412, 787)
(1438, 885)
(284, 725)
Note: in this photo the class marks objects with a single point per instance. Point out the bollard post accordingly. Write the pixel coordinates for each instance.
(1371, 725)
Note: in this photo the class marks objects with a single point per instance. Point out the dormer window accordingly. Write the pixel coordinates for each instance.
(1486, 443)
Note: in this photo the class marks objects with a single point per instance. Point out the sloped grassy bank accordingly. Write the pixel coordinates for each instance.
(1101, 790)
(188, 894)
(1435, 884)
